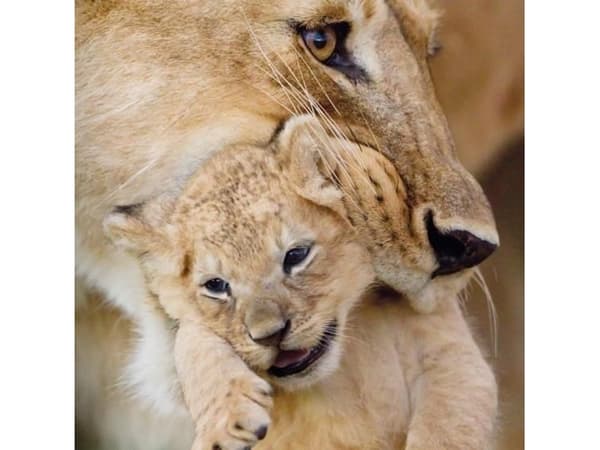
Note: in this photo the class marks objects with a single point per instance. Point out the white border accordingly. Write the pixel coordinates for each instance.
(36, 231)
(562, 190)
(562, 201)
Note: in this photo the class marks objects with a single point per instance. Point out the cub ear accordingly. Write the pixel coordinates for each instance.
(307, 155)
(131, 228)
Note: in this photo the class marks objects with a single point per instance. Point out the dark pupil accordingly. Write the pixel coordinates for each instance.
(217, 285)
(294, 257)
(319, 39)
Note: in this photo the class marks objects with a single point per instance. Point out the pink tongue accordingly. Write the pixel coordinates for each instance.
(287, 357)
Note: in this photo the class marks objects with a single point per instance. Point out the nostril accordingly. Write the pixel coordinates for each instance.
(273, 339)
(456, 250)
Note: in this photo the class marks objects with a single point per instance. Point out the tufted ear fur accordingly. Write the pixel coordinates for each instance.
(138, 228)
(306, 152)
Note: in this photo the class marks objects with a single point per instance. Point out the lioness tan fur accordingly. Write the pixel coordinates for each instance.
(235, 219)
(156, 95)
(163, 85)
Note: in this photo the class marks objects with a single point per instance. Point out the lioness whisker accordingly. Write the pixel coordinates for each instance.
(277, 74)
(301, 58)
(308, 103)
(480, 280)
(333, 127)
(317, 135)
(272, 97)
(315, 106)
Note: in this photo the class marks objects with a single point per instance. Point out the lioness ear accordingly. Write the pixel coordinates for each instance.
(306, 152)
(132, 228)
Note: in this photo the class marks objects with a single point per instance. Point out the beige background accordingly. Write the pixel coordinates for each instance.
(479, 78)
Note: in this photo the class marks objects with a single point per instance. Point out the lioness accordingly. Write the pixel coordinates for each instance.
(162, 85)
(258, 257)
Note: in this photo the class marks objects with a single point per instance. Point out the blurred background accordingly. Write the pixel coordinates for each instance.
(479, 75)
(479, 79)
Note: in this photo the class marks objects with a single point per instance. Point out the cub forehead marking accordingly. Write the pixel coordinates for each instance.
(235, 211)
(265, 208)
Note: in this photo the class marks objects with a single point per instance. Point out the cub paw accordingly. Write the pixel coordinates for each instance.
(239, 418)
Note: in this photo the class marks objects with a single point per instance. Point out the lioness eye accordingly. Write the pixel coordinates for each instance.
(294, 257)
(217, 286)
(321, 42)
(327, 45)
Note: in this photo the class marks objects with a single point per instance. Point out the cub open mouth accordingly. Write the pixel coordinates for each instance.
(290, 362)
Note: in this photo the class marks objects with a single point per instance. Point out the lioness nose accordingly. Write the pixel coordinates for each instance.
(456, 250)
(274, 338)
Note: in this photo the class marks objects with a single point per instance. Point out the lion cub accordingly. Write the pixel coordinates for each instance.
(254, 262)
(260, 270)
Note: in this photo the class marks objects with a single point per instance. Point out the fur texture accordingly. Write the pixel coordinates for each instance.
(235, 219)
(161, 86)
(138, 135)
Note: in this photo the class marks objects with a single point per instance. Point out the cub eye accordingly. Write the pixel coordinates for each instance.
(295, 257)
(320, 41)
(217, 286)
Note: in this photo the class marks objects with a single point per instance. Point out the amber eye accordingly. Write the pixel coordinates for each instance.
(321, 42)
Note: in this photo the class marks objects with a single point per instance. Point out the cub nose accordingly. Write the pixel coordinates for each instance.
(456, 250)
(272, 338)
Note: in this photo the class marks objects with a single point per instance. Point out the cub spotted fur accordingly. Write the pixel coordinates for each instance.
(261, 262)
(163, 85)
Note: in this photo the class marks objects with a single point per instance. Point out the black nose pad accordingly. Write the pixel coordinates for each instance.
(456, 250)
(274, 339)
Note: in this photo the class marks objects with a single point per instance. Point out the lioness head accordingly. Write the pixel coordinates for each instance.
(164, 84)
(257, 247)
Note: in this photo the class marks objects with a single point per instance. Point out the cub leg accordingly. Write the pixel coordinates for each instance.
(454, 391)
(229, 404)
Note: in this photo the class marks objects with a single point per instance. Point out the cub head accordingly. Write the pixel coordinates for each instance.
(258, 248)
